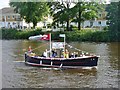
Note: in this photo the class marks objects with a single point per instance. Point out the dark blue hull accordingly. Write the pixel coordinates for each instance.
(87, 61)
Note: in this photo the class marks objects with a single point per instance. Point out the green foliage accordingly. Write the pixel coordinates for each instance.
(63, 12)
(31, 11)
(113, 16)
(86, 11)
(83, 35)
(105, 28)
(8, 33)
(15, 34)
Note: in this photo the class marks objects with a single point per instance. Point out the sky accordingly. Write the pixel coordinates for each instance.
(5, 3)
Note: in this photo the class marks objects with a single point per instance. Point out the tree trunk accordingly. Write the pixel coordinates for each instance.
(67, 25)
(68, 17)
(79, 17)
(118, 15)
(34, 24)
(79, 25)
(29, 25)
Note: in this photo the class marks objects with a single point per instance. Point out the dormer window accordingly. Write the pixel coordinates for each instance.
(100, 15)
(13, 17)
(99, 22)
(3, 19)
(8, 17)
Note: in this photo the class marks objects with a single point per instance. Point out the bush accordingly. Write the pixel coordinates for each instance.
(8, 33)
(82, 35)
(15, 34)
(105, 28)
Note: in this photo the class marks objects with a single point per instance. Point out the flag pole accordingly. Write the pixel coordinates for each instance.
(50, 44)
(64, 44)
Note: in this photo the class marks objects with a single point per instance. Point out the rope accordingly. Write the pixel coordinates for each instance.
(38, 47)
(67, 45)
(76, 49)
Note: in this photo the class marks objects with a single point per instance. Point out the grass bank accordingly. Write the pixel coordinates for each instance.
(83, 35)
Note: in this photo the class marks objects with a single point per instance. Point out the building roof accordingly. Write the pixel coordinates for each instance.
(8, 10)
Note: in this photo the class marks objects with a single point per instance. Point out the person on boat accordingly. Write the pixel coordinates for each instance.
(66, 54)
(54, 53)
(72, 55)
(62, 54)
(82, 55)
(45, 53)
(30, 49)
(30, 52)
(42, 55)
(76, 54)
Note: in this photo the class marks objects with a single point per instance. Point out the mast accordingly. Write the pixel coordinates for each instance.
(63, 35)
(64, 43)
(50, 45)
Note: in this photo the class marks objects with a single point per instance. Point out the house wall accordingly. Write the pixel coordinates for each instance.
(14, 21)
(11, 21)
(96, 23)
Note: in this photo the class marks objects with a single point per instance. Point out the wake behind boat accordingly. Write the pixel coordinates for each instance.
(63, 60)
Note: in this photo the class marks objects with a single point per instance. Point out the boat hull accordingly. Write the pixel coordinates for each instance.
(79, 62)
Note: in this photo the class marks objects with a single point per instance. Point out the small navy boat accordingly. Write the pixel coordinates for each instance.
(78, 62)
(61, 62)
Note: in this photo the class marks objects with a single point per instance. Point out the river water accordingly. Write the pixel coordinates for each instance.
(15, 74)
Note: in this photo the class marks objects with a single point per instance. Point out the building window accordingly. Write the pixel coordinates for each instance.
(18, 16)
(100, 15)
(91, 23)
(13, 17)
(99, 22)
(8, 17)
(3, 19)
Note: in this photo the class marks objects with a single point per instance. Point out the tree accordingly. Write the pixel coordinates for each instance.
(86, 11)
(61, 12)
(31, 11)
(81, 11)
(113, 16)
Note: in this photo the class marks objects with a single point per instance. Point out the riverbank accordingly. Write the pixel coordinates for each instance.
(83, 35)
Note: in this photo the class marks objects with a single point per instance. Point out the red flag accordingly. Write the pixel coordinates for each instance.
(45, 37)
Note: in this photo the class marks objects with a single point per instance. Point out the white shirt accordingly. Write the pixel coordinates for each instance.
(45, 54)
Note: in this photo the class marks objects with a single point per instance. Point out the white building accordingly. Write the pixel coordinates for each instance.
(11, 19)
(99, 22)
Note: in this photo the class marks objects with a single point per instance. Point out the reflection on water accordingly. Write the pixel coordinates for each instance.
(17, 75)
